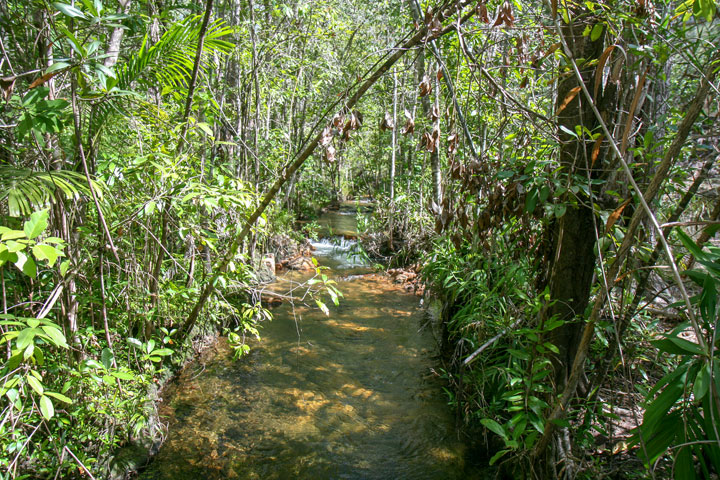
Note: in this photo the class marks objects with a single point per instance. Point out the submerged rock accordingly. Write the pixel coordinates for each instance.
(129, 460)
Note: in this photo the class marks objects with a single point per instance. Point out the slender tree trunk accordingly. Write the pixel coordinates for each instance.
(166, 208)
(113, 50)
(391, 220)
(427, 112)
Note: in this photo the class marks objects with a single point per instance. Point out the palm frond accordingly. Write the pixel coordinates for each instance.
(26, 190)
(169, 62)
(171, 59)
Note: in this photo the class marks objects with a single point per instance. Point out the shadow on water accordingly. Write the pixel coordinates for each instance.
(345, 396)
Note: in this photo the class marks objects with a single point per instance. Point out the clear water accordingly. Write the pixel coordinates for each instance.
(352, 395)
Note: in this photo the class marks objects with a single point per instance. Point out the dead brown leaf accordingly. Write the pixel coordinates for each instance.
(615, 215)
(569, 98)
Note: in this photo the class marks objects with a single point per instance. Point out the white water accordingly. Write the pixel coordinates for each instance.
(342, 253)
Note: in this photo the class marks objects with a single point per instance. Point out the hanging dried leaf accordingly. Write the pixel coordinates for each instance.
(439, 74)
(435, 112)
(569, 98)
(596, 150)
(483, 13)
(505, 16)
(615, 215)
(453, 142)
(409, 124)
(387, 122)
(427, 142)
(358, 117)
(524, 82)
(7, 84)
(428, 16)
(631, 114)
(43, 79)
(435, 27)
(554, 7)
(337, 120)
(326, 136)
(425, 86)
(330, 154)
(600, 68)
(499, 19)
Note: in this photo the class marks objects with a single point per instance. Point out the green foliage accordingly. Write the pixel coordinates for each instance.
(490, 305)
(682, 409)
(26, 190)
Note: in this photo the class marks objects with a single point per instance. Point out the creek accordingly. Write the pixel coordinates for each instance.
(352, 395)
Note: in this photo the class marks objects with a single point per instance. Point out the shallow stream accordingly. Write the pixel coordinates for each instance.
(351, 395)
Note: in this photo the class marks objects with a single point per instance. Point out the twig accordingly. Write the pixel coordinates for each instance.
(494, 339)
(80, 463)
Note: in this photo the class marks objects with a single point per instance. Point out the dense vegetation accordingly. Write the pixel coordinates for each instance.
(550, 165)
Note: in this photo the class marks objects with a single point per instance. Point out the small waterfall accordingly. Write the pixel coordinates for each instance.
(346, 253)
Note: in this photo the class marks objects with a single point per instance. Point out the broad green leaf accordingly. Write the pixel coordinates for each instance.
(64, 267)
(163, 352)
(28, 266)
(678, 346)
(495, 427)
(29, 350)
(323, 307)
(684, 465)
(35, 384)
(25, 337)
(13, 234)
(531, 201)
(60, 397)
(69, 10)
(106, 357)
(36, 225)
(702, 382)
(596, 32)
(205, 128)
(497, 456)
(56, 335)
(122, 375)
(46, 407)
(662, 404)
(56, 66)
(46, 252)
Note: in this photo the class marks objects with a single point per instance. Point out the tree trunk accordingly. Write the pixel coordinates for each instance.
(573, 234)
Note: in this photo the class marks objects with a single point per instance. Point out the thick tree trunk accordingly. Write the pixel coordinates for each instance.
(573, 234)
